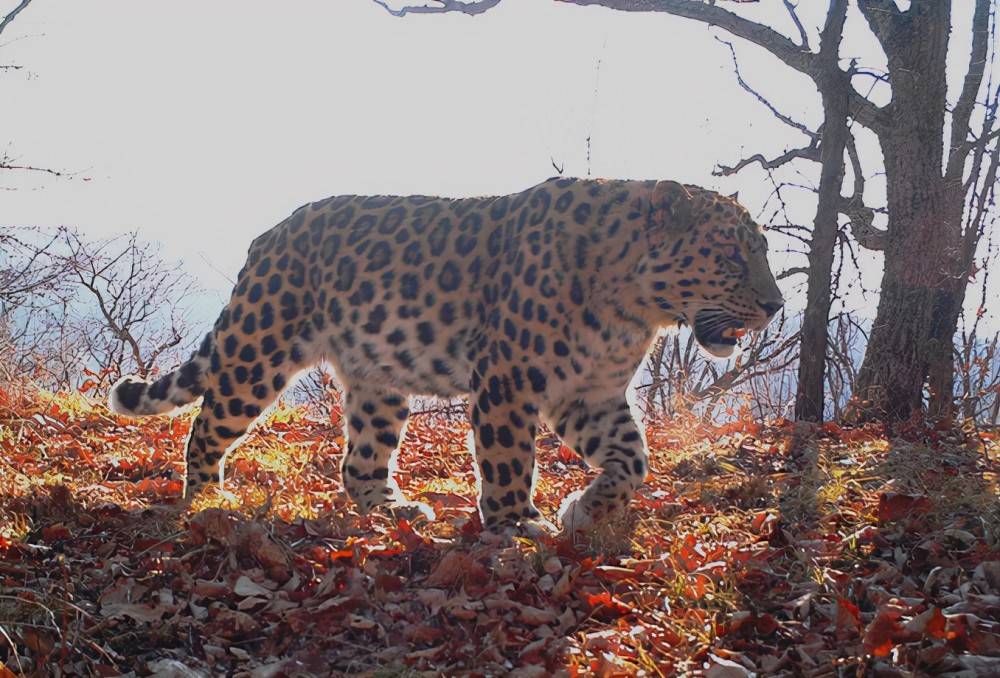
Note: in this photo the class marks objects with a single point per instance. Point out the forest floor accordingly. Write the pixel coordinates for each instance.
(777, 550)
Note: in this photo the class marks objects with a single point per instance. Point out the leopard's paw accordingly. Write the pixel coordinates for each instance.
(411, 511)
(573, 516)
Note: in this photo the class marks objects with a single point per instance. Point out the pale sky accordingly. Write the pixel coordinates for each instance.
(202, 124)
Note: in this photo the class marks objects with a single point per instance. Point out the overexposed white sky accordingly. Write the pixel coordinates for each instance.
(202, 124)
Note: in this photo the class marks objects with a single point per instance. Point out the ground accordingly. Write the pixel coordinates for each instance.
(753, 549)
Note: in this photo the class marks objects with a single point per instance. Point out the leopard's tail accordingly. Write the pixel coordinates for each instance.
(140, 397)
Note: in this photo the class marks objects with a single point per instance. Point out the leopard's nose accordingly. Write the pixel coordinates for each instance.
(771, 307)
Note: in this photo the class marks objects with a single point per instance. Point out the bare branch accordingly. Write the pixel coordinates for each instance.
(797, 56)
(762, 99)
(863, 229)
(5, 164)
(803, 36)
(982, 201)
(961, 143)
(810, 152)
(133, 291)
(441, 7)
(13, 13)
(774, 42)
(789, 272)
(861, 217)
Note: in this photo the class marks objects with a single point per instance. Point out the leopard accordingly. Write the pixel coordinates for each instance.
(539, 306)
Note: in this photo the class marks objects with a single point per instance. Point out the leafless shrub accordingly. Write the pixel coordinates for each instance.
(32, 293)
(844, 350)
(79, 313)
(679, 377)
(131, 306)
(318, 391)
(977, 367)
(759, 382)
(449, 409)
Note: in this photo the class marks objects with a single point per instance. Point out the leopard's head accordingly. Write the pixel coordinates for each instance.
(707, 266)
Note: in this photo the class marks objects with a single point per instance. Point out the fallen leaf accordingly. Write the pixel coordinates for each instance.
(894, 506)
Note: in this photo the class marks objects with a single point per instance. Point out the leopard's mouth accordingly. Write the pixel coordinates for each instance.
(717, 331)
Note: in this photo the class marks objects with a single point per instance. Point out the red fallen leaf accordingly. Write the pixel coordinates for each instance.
(614, 574)
(894, 506)
(405, 535)
(164, 487)
(211, 589)
(454, 567)
(54, 533)
(931, 623)
(763, 625)
(766, 624)
(231, 625)
(687, 555)
(848, 616)
(214, 525)
(341, 554)
(536, 616)
(606, 601)
(389, 582)
(472, 527)
(736, 621)
(422, 633)
(387, 551)
(87, 385)
(445, 499)
(256, 541)
(566, 455)
(763, 523)
(883, 631)
(832, 429)
(39, 641)
(974, 634)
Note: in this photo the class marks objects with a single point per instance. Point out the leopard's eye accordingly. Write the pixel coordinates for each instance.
(732, 252)
(734, 260)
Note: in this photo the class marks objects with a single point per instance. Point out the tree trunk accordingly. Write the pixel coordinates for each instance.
(941, 358)
(923, 283)
(834, 87)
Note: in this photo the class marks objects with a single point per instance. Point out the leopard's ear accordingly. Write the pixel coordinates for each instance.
(735, 196)
(671, 207)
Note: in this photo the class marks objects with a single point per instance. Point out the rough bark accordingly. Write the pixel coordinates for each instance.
(926, 257)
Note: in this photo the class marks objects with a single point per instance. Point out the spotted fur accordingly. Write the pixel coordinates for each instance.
(539, 305)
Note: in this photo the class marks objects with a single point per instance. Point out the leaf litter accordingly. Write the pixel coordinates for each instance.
(753, 550)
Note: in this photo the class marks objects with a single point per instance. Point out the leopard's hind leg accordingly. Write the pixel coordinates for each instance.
(246, 374)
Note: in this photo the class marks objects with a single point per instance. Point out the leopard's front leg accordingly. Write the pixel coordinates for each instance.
(504, 422)
(607, 436)
(374, 420)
